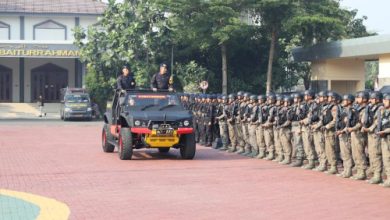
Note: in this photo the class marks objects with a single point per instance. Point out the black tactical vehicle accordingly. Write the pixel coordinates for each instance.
(146, 119)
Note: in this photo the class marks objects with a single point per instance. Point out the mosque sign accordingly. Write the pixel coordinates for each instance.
(39, 50)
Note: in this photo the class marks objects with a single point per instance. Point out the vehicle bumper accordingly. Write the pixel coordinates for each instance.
(78, 114)
(155, 141)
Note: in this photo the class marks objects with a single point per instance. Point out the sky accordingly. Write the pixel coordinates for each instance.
(377, 12)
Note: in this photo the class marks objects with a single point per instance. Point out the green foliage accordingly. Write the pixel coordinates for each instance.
(372, 71)
(142, 33)
(190, 75)
(99, 87)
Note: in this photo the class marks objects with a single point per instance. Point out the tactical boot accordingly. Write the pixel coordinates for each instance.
(376, 179)
(347, 173)
(286, 161)
(261, 154)
(310, 165)
(320, 168)
(279, 158)
(332, 170)
(297, 163)
(360, 175)
(270, 156)
(240, 150)
(254, 154)
(386, 183)
(223, 148)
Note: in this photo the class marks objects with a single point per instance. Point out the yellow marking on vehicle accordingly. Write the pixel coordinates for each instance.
(153, 140)
(49, 208)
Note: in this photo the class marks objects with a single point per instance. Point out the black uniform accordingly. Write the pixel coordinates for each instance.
(161, 81)
(125, 82)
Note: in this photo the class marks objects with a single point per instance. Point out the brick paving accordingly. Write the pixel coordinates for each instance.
(64, 161)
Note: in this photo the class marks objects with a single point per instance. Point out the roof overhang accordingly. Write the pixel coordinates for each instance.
(365, 48)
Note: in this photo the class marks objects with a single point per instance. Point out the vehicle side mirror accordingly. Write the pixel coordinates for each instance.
(121, 101)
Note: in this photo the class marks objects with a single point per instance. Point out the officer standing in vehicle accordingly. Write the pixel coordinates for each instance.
(126, 79)
(162, 79)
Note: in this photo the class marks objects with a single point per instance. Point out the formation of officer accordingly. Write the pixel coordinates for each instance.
(347, 136)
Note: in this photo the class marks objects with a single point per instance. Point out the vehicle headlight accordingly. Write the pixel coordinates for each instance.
(89, 109)
(186, 123)
(137, 122)
(67, 109)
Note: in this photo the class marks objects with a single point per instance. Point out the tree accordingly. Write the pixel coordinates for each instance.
(207, 23)
(273, 14)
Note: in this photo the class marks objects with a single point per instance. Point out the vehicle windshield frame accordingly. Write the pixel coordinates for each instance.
(154, 103)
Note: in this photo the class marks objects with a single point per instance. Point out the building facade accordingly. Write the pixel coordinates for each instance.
(37, 55)
(340, 65)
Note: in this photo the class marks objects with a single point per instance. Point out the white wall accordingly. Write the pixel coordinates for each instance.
(349, 69)
(30, 21)
(14, 22)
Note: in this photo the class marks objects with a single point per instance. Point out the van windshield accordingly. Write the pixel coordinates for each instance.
(77, 98)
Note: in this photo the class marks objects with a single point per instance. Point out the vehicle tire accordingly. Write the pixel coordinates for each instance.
(106, 135)
(163, 149)
(125, 149)
(188, 146)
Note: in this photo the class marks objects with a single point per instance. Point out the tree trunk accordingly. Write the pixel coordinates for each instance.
(270, 60)
(224, 69)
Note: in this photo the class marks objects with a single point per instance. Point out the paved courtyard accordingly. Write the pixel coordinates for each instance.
(53, 163)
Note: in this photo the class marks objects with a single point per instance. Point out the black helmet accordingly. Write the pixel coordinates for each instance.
(322, 94)
(232, 96)
(363, 94)
(349, 97)
(240, 93)
(298, 95)
(247, 95)
(253, 97)
(386, 96)
(333, 94)
(376, 95)
(271, 96)
(261, 97)
(288, 99)
(309, 93)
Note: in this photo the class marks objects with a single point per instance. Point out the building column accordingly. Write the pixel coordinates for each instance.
(21, 79)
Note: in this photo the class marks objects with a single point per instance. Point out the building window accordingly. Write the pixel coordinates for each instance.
(319, 85)
(49, 30)
(5, 31)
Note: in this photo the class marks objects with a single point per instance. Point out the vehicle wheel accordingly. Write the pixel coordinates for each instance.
(106, 135)
(163, 149)
(188, 146)
(125, 149)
